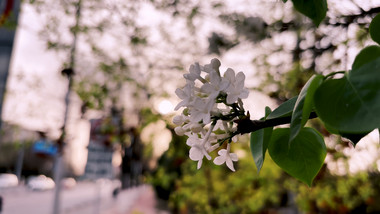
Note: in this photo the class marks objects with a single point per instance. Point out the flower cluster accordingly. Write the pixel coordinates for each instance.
(211, 103)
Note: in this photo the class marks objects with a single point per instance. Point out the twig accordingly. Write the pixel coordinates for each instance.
(247, 126)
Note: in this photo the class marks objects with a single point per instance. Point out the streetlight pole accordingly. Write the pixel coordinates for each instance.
(68, 72)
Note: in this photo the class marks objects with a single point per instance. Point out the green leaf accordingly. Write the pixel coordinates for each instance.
(284, 1)
(351, 104)
(314, 9)
(354, 138)
(284, 110)
(374, 29)
(259, 143)
(366, 55)
(304, 105)
(305, 156)
(267, 111)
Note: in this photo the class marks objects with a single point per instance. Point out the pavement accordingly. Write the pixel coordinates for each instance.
(84, 198)
(136, 200)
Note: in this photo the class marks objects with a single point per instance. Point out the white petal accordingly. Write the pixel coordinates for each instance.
(206, 118)
(178, 120)
(208, 68)
(207, 88)
(219, 160)
(224, 84)
(192, 140)
(207, 155)
(180, 93)
(230, 75)
(240, 77)
(230, 164)
(179, 131)
(196, 127)
(244, 94)
(233, 156)
(213, 147)
(195, 154)
(181, 104)
(196, 116)
(215, 63)
(195, 68)
(214, 78)
(199, 164)
(234, 139)
(231, 98)
(222, 152)
(190, 77)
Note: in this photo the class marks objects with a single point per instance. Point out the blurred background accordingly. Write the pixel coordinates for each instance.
(87, 98)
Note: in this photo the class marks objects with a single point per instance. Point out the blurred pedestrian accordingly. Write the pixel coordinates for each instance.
(137, 157)
(1, 204)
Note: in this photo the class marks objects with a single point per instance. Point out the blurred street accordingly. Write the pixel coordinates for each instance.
(84, 198)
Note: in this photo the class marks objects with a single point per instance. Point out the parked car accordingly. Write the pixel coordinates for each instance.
(40, 182)
(8, 180)
(68, 183)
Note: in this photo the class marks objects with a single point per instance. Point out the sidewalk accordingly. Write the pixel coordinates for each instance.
(84, 198)
(136, 200)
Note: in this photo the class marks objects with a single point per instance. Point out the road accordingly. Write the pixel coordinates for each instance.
(84, 198)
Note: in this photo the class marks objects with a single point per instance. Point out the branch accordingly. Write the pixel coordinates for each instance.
(346, 20)
(247, 126)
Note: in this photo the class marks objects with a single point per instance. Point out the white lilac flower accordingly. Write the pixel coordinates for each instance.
(201, 110)
(196, 127)
(236, 88)
(198, 149)
(186, 94)
(226, 157)
(194, 73)
(216, 85)
(213, 66)
(208, 115)
(178, 120)
(179, 130)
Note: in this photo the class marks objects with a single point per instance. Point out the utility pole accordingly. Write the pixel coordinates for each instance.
(68, 72)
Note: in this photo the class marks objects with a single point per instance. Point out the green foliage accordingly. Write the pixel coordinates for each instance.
(374, 29)
(303, 158)
(92, 94)
(351, 104)
(259, 143)
(366, 55)
(8, 22)
(169, 164)
(354, 138)
(348, 106)
(284, 110)
(148, 117)
(337, 194)
(314, 9)
(303, 106)
(214, 190)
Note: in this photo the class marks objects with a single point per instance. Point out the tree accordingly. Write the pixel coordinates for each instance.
(347, 106)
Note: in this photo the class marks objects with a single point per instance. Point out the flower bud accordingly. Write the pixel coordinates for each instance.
(215, 64)
(179, 131)
(196, 128)
(178, 120)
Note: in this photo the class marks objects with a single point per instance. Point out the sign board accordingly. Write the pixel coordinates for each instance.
(99, 160)
(45, 147)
